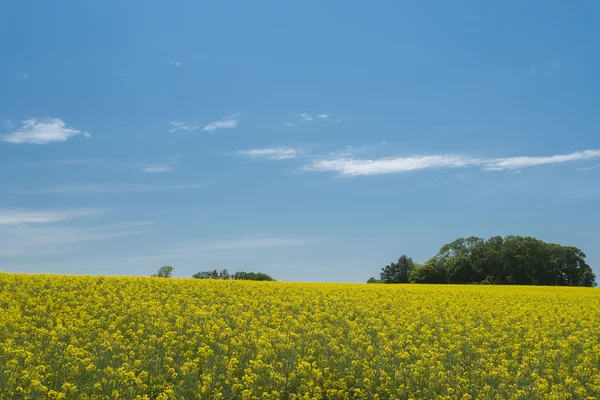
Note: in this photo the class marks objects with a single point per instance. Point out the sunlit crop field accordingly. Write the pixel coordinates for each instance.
(151, 338)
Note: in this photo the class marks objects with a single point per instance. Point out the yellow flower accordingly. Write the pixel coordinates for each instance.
(127, 338)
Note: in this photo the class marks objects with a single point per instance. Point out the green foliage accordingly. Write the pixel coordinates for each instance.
(398, 272)
(425, 273)
(164, 272)
(252, 276)
(513, 260)
(214, 274)
(373, 280)
(225, 275)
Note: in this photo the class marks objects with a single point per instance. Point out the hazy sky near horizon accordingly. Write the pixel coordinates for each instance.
(311, 140)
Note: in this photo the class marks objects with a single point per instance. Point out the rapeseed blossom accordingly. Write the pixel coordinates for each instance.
(67, 337)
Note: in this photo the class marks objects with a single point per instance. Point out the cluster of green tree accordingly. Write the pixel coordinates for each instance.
(166, 270)
(240, 275)
(512, 260)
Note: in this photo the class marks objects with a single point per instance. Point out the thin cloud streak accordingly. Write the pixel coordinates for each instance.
(307, 117)
(20, 216)
(182, 126)
(227, 122)
(42, 131)
(156, 168)
(279, 153)
(168, 165)
(502, 164)
(351, 167)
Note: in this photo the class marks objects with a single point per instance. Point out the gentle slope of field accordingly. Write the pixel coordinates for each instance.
(103, 338)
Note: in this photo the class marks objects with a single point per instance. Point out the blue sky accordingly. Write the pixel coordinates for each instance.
(311, 140)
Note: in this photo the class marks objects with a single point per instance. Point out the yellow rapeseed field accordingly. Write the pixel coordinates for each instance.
(149, 338)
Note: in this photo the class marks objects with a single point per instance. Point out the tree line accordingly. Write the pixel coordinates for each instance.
(240, 275)
(166, 271)
(512, 260)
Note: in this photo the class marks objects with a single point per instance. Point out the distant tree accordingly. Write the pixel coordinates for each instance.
(426, 273)
(512, 260)
(164, 272)
(569, 267)
(251, 276)
(398, 272)
(373, 280)
(214, 274)
(461, 261)
(225, 275)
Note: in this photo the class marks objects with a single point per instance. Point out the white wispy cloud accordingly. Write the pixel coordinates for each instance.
(19, 216)
(501, 164)
(182, 126)
(227, 122)
(156, 168)
(351, 167)
(22, 76)
(168, 165)
(176, 63)
(288, 124)
(42, 131)
(307, 117)
(276, 153)
(97, 188)
(356, 167)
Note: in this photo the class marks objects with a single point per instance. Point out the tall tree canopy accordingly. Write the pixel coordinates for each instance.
(398, 272)
(512, 260)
